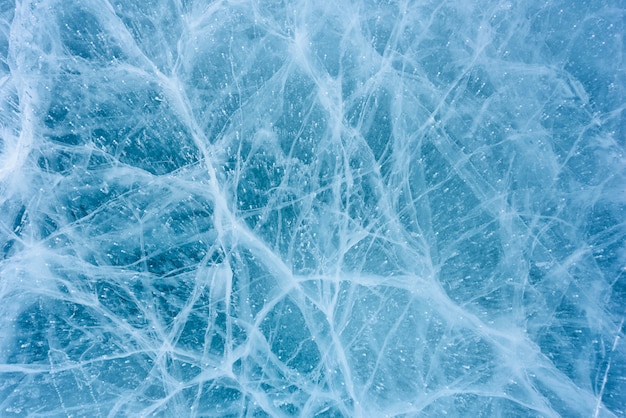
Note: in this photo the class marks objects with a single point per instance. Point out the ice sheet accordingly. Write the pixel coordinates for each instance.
(312, 208)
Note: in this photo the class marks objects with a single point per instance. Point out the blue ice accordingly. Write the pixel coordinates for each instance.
(345, 208)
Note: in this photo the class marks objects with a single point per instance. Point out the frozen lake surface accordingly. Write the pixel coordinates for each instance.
(308, 208)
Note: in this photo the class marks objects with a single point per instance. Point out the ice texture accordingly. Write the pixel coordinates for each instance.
(312, 208)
